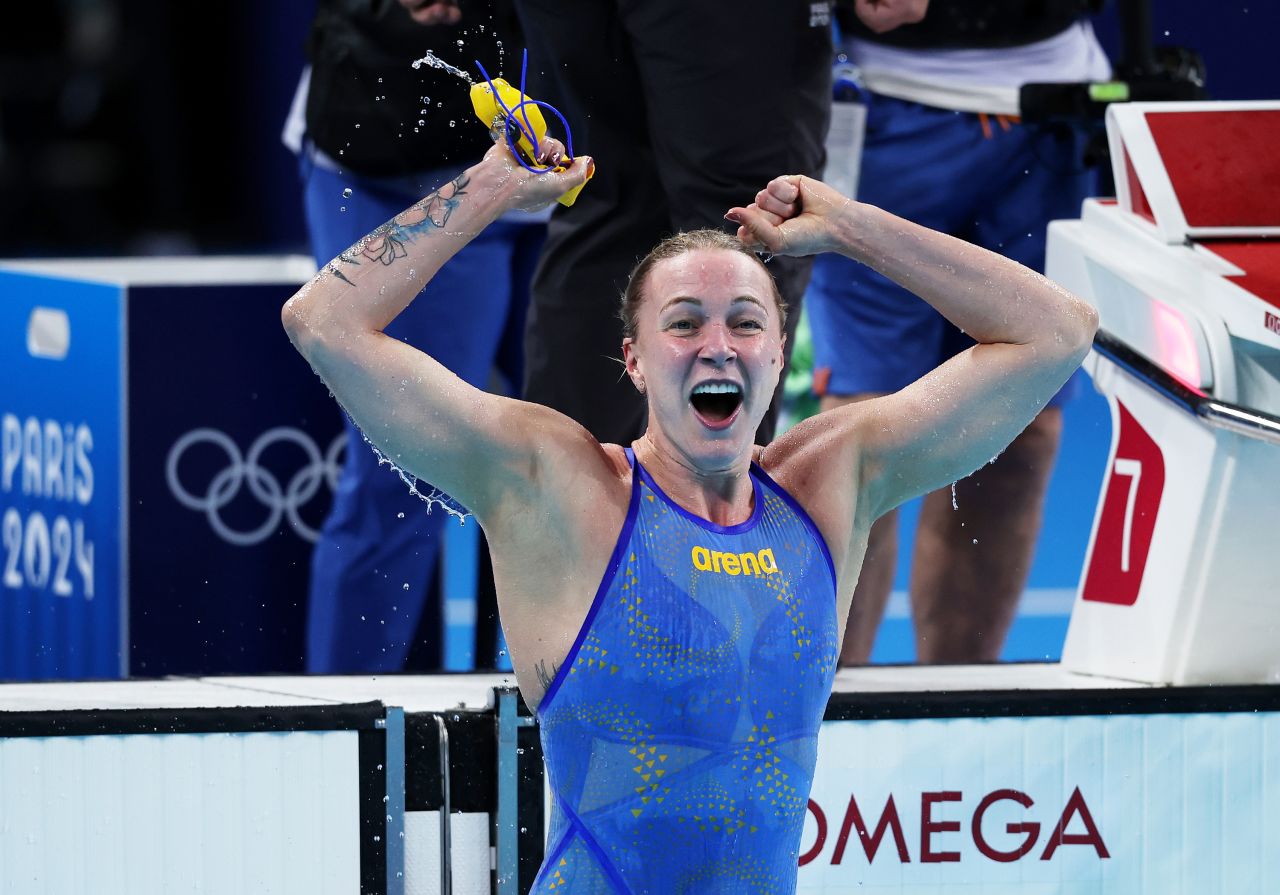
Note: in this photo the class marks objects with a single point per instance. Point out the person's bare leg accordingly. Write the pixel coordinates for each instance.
(876, 579)
(970, 565)
(875, 583)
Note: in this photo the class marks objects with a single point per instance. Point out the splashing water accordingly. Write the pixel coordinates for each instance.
(435, 498)
(435, 61)
(955, 505)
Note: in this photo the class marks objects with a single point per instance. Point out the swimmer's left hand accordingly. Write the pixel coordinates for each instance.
(793, 215)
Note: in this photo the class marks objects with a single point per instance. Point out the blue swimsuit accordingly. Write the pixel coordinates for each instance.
(680, 735)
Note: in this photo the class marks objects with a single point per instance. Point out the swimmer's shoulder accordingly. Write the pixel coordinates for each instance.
(552, 537)
(817, 463)
(586, 481)
(567, 477)
(814, 452)
(618, 463)
(563, 450)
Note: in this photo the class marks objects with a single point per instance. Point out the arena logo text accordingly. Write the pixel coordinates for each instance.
(750, 564)
(932, 849)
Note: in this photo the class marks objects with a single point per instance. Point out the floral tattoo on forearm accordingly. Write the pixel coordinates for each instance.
(389, 242)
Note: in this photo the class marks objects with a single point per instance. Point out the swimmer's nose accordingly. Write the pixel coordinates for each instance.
(717, 348)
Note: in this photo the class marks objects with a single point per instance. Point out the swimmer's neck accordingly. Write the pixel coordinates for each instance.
(722, 495)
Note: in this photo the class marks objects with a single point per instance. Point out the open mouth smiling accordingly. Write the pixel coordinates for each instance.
(716, 404)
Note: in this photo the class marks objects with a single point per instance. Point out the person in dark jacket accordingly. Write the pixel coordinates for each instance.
(684, 117)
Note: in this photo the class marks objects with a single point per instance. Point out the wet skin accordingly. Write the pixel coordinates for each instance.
(708, 316)
(552, 499)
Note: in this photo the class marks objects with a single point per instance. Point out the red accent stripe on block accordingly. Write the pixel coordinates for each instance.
(1224, 166)
(1260, 261)
(1137, 198)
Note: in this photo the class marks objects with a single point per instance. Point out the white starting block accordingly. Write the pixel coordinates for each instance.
(1182, 578)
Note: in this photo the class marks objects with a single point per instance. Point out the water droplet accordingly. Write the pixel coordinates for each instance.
(342, 208)
(406, 584)
(453, 124)
(399, 515)
(357, 127)
(346, 194)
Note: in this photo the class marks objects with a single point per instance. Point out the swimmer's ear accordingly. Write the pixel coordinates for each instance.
(632, 363)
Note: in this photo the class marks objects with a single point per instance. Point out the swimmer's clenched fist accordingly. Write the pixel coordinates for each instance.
(793, 215)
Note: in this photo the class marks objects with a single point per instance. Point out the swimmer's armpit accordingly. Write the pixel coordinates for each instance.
(387, 244)
(544, 678)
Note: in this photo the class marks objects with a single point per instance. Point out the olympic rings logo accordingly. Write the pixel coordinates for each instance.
(280, 501)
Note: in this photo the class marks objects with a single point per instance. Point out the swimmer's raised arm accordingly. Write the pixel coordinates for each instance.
(1031, 335)
(420, 415)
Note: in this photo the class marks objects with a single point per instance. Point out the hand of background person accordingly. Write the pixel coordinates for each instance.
(885, 15)
(793, 215)
(434, 12)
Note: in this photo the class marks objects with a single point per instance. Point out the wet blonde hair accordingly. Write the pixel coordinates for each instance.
(674, 247)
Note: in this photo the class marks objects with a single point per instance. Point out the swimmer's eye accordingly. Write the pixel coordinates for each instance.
(682, 325)
(750, 323)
